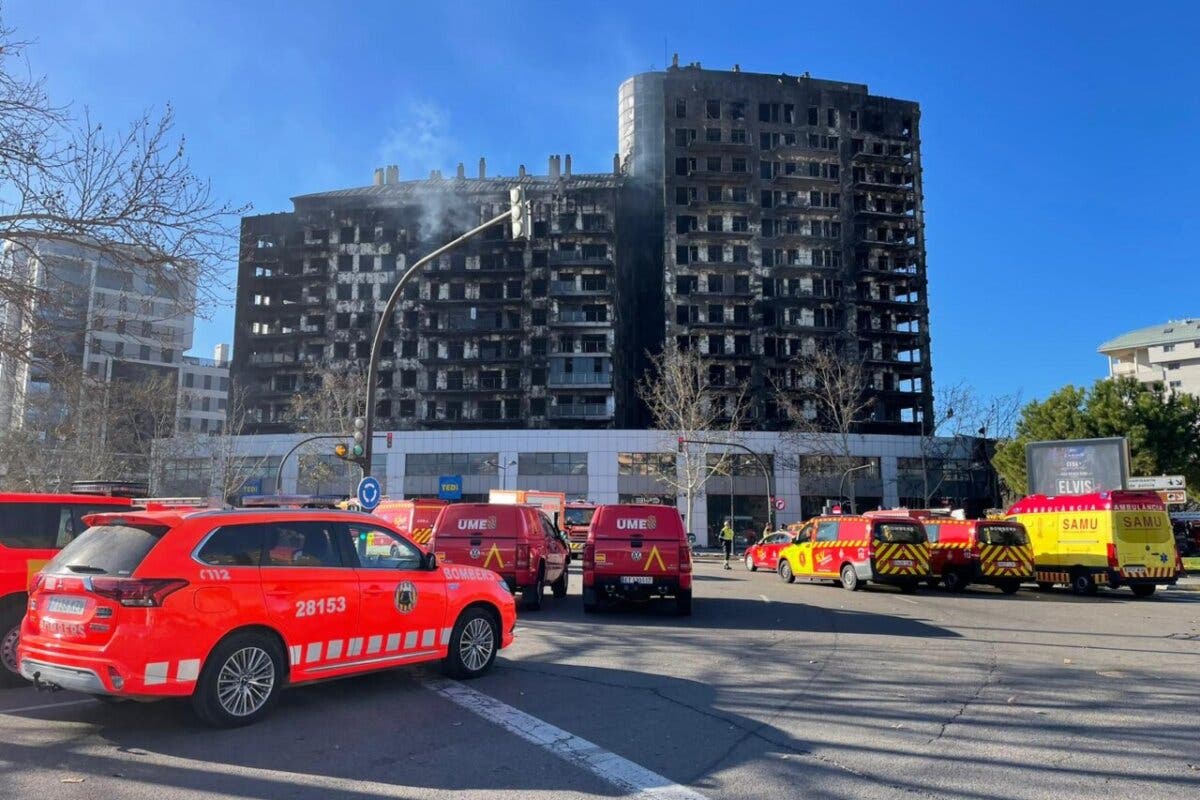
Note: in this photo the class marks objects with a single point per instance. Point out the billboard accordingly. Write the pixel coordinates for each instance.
(1077, 466)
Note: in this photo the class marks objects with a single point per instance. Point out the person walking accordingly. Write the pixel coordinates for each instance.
(727, 541)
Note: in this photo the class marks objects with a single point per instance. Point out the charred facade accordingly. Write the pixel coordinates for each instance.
(497, 334)
(791, 216)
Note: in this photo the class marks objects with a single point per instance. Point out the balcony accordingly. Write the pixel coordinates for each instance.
(580, 379)
(580, 319)
(588, 411)
(560, 257)
(570, 289)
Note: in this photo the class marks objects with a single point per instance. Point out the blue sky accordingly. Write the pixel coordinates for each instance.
(1058, 138)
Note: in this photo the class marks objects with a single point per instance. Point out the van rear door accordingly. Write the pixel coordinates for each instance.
(637, 540)
(479, 535)
(1144, 543)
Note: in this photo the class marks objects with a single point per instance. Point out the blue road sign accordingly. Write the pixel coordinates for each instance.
(368, 493)
(450, 487)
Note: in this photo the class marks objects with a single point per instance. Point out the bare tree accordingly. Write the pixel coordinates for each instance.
(824, 396)
(682, 401)
(86, 428)
(329, 401)
(962, 418)
(131, 196)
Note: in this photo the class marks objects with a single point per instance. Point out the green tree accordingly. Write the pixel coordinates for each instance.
(1162, 427)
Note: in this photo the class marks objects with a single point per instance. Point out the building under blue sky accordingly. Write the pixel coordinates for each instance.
(1055, 139)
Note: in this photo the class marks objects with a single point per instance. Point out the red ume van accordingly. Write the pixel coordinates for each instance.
(636, 552)
(518, 542)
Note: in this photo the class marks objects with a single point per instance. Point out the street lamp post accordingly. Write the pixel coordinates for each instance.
(761, 464)
(520, 216)
(503, 469)
(927, 434)
(842, 483)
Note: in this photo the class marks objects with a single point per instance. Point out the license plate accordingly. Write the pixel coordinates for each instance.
(902, 562)
(66, 605)
(1138, 570)
(1006, 564)
(636, 579)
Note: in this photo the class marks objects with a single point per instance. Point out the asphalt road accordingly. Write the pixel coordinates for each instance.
(768, 690)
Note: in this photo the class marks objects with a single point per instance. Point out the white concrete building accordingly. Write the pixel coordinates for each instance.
(204, 392)
(1168, 353)
(608, 466)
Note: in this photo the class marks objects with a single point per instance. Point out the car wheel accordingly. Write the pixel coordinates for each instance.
(785, 572)
(1082, 583)
(1009, 587)
(473, 644)
(559, 587)
(954, 581)
(589, 601)
(10, 637)
(240, 681)
(1142, 589)
(849, 578)
(683, 603)
(531, 596)
(750, 563)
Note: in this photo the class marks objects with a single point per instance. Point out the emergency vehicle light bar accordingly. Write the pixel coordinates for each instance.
(155, 503)
(292, 500)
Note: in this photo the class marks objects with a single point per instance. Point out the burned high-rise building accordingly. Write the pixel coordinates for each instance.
(791, 217)
(498, 333)
(753, 218)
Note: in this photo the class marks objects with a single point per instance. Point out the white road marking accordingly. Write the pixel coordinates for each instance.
(765, 599)
(905, 599)
(635, 780)
(23, 709)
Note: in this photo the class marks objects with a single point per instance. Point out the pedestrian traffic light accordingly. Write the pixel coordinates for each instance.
(681, 443)
(389, 439)
(522, 224)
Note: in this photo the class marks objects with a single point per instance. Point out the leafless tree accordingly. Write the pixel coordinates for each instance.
(87, 428)
(130, 196)
(962, 418)
(329, 401)
(824, 396)
(683, 402)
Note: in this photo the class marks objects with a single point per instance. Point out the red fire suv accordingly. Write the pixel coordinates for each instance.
(228, 607)
(33, 528)
(966, 551)
(636, 552)
(518, 542)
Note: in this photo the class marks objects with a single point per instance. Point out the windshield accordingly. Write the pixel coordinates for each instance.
(580, 517)
(898, 533)
(108, 550)
(1002, 535)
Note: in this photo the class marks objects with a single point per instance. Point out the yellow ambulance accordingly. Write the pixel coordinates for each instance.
(1109, 539)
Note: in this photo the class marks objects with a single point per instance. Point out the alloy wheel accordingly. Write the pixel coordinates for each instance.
(245, 681)
(477, 643)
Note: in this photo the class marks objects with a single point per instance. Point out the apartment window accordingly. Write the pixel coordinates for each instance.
(537, 346)
(716, 375)
(684, 195)
(537, 407)
(1172, 365)
(685, 284)
(685, 166)
(345, 263)
(552, 463)
(831, 117)
(714, 224)
(685, 136)
(738, 136)
(715, 253)
(716, 345)
(366, 263)
(538, 316)
(189, 380)
(1168, 348)
(144, 352)
(716, 314)
(408, 348)
(685, 223)
(712, 109)
(680, 108)
(712, 134)
(714, 194)
(716, 284)
(853, 120)
(738, 164)
(537, 287)
(685, 254)
(812, 115)
(741, 224)
(713, 163)
(343, 291)
(1176, 384)
(685, 315)
(740, 195)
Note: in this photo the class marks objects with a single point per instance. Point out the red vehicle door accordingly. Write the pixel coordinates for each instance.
(403, 613)
(310, 590)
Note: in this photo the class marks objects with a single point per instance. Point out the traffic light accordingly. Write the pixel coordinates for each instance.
(389, 440)
(522, 224)
(682, 441)
(360, 425)
(340, 450)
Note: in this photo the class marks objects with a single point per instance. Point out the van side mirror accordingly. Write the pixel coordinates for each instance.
(429, 561)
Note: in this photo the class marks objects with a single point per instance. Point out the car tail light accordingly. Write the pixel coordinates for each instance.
(137, 592)
(522, 556)
(1112, 556)
(685, 558)
(36, 583)
(589, 556)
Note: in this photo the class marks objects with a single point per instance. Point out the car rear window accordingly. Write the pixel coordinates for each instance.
(641, 522)
(899, 533)
(116, 549)
(1002, 535)
(933, 530)
(580, 516)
